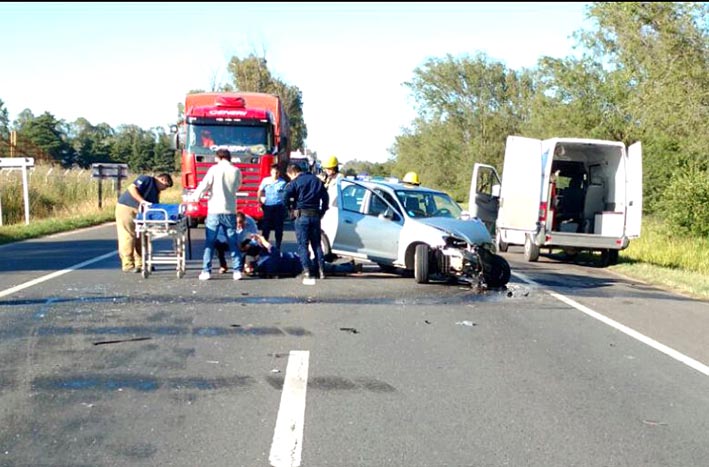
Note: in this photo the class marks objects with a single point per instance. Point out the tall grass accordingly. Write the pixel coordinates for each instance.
(658, 246)
(59, 200)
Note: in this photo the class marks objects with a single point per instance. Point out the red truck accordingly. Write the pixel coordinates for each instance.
(252, 126)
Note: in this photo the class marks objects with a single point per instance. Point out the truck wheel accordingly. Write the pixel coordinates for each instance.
(421, 264)
(497, 271)
(501, 245)
(531, 251)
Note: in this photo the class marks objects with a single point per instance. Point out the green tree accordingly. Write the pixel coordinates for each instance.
(251, 74)
(91, 143)
(47, 133)
(657, 56)
(4, 121)
(467, 106)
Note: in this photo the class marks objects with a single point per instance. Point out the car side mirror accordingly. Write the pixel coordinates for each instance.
(496, 191)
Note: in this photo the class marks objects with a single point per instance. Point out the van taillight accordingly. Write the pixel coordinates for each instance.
(542, 211)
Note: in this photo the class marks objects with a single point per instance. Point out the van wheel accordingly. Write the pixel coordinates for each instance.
(497, 271)
(501, 245)
(421, 264)
(531, 251)
(609, 257)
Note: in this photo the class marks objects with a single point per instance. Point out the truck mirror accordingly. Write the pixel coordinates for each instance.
(496, 191)
(174, 141)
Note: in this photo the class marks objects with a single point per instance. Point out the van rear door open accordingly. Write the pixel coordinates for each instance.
(634, 193)
(521, 189)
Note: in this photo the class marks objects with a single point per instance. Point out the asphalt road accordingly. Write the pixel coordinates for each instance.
(568, 365)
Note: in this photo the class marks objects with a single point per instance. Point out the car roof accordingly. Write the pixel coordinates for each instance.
(393, 185)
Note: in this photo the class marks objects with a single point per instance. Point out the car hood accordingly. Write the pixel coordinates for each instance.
(473, 231)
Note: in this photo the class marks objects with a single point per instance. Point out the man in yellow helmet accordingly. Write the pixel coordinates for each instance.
(411, 178)
(331, 166)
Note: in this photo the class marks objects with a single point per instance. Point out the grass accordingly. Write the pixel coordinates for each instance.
(59, 200)
(65, 200)
(680, 263)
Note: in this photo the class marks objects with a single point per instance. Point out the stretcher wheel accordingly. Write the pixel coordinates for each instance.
(180, 274)
(146, 271)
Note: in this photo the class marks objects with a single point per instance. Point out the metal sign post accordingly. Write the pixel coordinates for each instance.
(20, 163)
(104, 170)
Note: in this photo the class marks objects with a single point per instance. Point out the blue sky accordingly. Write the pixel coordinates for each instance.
(132, 63)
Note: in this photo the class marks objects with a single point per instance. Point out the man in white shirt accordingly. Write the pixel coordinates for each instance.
(222, 180)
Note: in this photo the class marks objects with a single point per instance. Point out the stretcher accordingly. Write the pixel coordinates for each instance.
(158, 221)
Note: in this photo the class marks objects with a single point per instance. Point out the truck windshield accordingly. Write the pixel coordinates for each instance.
(421, 204)
(250, 139)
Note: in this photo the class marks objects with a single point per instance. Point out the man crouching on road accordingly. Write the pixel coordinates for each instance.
(308, 198)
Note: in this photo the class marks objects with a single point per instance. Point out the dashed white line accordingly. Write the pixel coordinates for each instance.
(700, 367)
(287, 442)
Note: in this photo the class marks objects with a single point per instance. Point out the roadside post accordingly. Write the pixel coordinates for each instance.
(103, 170)
(14, 163)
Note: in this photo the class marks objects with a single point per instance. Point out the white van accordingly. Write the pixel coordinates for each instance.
(569, 193)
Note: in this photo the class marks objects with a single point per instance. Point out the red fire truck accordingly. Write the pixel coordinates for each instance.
(252, 126)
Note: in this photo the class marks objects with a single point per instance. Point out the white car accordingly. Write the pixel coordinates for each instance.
(397, 225)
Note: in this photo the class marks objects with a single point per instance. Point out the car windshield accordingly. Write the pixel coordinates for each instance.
(421, 204)
(205, 139)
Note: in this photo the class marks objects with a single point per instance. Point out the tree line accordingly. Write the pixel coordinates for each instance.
(642, 75)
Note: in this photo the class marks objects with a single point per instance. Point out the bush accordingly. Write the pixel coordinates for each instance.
(685, 202)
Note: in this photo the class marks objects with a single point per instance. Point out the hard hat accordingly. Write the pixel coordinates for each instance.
(330, 163)
(411, 178)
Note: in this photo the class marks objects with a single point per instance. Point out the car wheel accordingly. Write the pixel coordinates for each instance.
(192, 222)
(531, 251)
(326, 249)
(497, 271)
(421, 264)
(501, 245)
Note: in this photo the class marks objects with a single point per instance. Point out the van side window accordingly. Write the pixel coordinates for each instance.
(485, 182)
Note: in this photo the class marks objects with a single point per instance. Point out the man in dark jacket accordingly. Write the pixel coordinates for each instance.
(145, 189)
(307, 197)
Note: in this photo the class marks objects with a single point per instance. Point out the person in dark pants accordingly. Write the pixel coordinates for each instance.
(270, 194)
(145, 189)
(308, 198)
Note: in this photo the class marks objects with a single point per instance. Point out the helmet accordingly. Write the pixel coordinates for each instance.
(330, 163)
(411, 178)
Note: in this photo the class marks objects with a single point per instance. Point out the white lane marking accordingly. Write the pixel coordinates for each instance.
(39, 280)
(700, 367)
(288, 436)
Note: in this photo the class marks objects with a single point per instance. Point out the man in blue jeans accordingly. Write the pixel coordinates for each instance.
(308, 198)
(222, 180)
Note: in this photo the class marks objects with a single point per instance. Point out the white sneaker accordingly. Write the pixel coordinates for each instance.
(205, 275)
(237, 275)
(308, 280)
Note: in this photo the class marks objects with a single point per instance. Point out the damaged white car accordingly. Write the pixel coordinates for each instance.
(420, 230)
